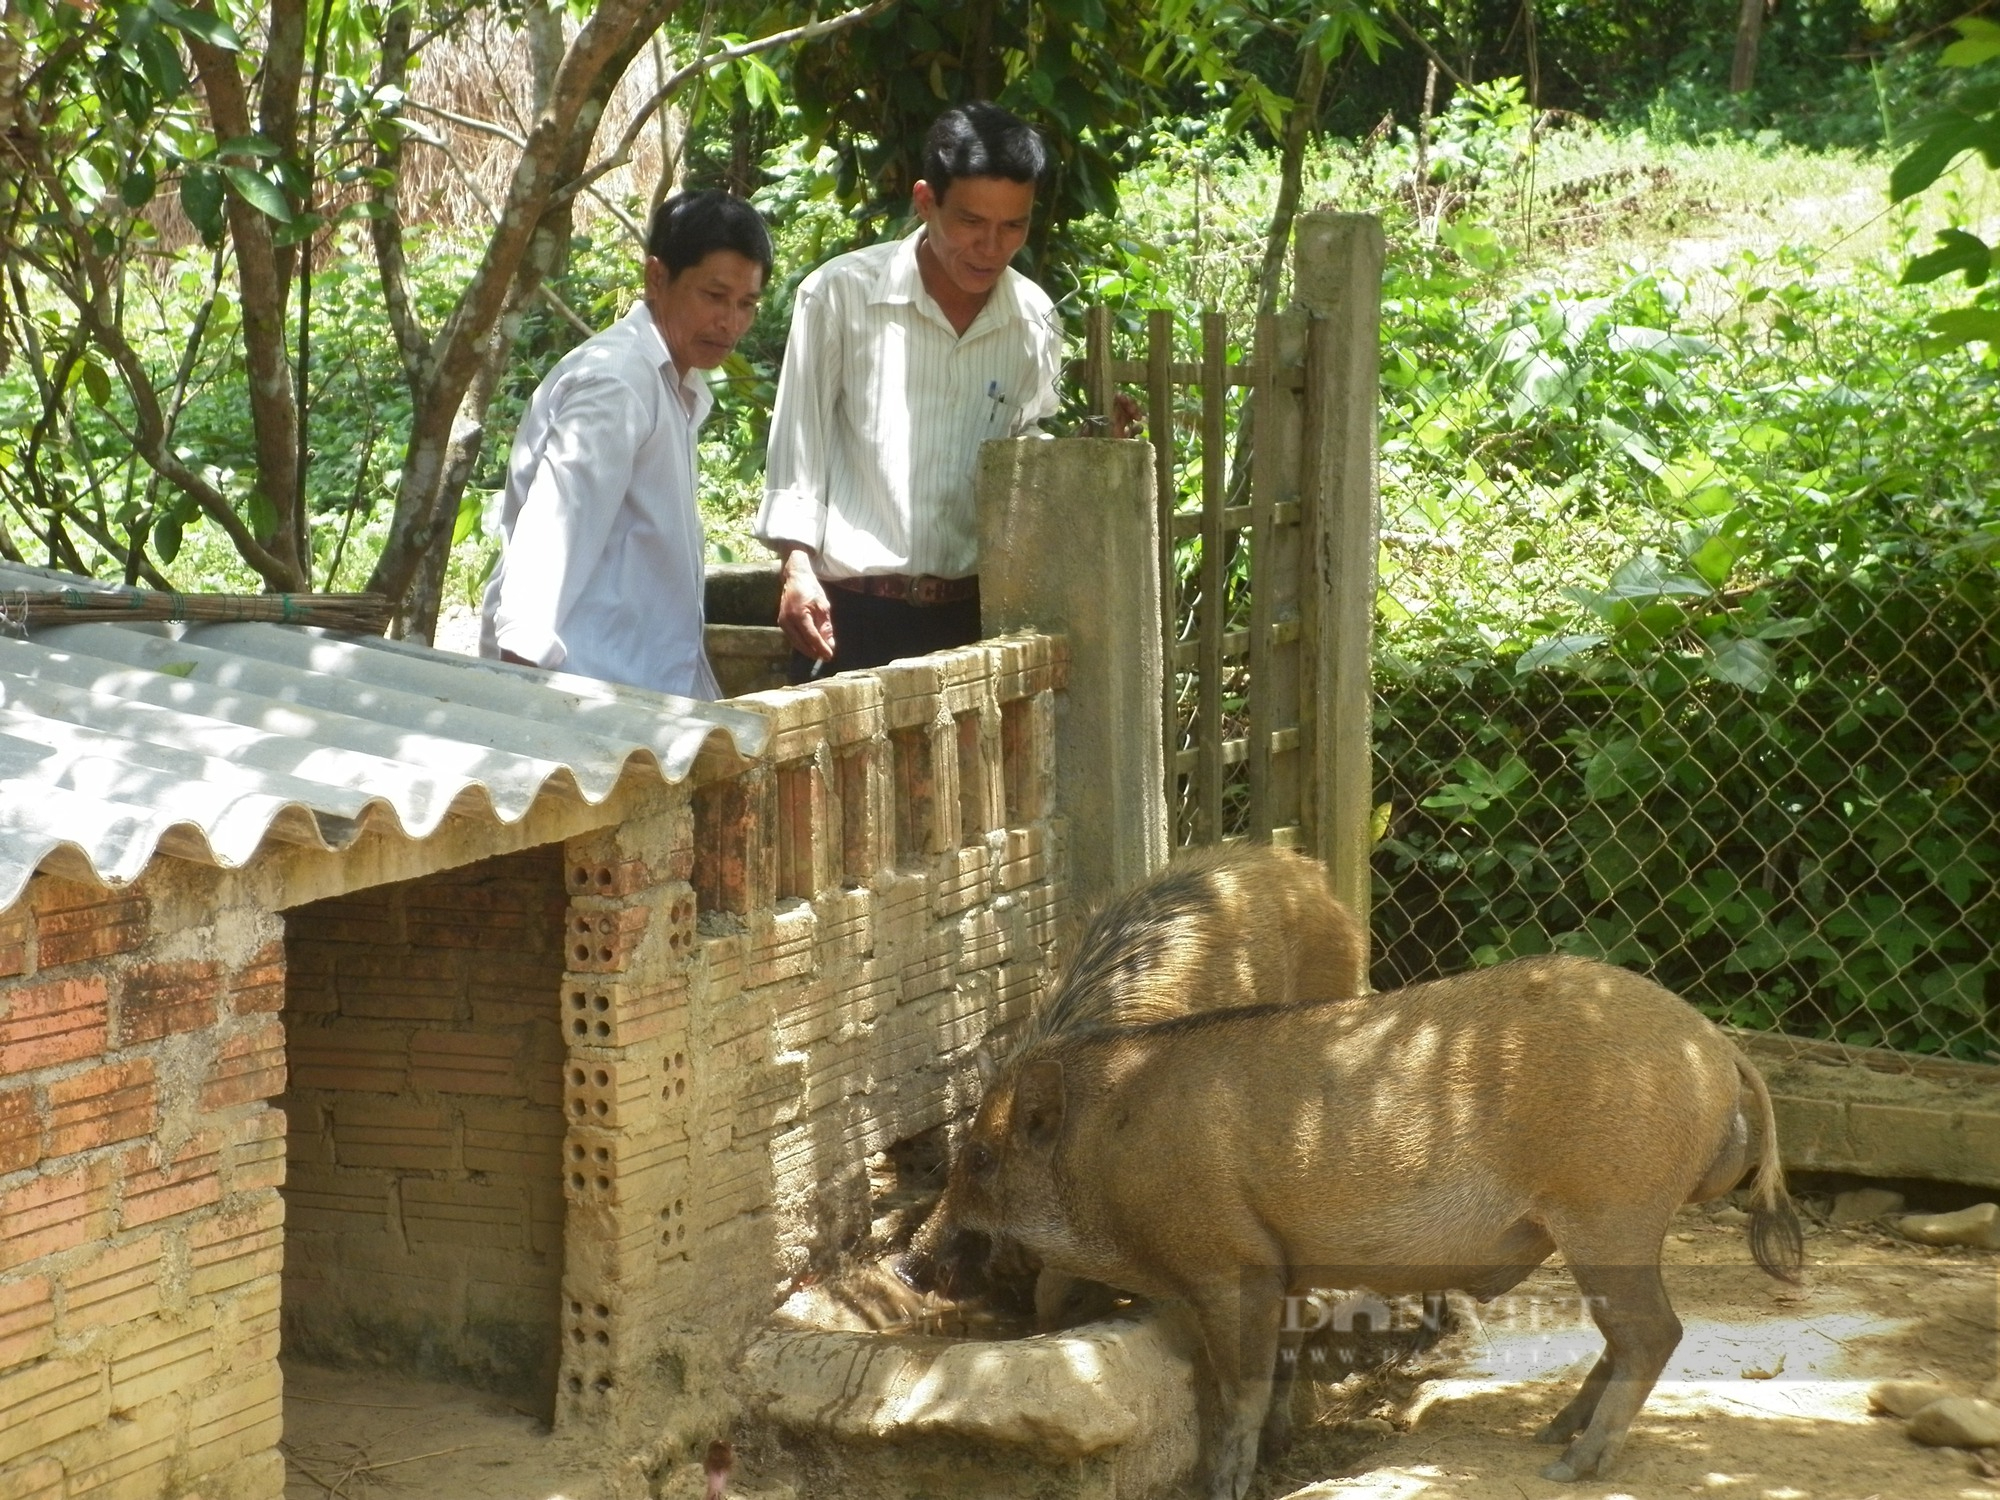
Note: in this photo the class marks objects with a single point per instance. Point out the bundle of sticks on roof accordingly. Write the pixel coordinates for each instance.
(25, 609)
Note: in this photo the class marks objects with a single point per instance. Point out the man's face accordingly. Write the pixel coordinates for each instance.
(976, 228)
(703, 311)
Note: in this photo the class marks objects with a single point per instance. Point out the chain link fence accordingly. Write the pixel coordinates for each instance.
(1686, 652)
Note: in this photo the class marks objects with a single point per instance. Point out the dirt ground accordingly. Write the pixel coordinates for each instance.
(1766, 1399)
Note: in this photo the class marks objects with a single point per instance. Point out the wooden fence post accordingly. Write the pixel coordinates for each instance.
(1337, 277)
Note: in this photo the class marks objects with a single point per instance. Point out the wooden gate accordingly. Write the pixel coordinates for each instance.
(1267, 594)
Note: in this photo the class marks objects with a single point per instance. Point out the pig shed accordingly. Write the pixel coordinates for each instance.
(522, 1031)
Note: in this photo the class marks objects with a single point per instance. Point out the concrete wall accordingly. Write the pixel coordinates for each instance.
(765, 976)
(423, 1192)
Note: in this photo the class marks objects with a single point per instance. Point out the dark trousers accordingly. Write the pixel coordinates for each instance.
(868, 632)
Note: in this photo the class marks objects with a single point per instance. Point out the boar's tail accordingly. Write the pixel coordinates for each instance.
(1775, 1238)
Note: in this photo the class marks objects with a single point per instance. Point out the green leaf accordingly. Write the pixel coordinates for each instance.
(167, 538)
(95, 381)
(176, 668)
(1747, 663)
(138, 187)
(1553, 653)
(260, 193)
(1958, 251)
(201, 200)
(1979, 40)
(1964, 325)
(202, 25)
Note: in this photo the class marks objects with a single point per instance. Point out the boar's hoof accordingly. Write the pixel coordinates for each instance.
(1561, 1472)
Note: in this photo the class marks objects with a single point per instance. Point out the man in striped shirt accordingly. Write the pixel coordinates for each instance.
(904, 357)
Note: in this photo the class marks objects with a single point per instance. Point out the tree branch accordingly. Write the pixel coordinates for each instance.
(385, 228)
(622, 152)
(1428, 50)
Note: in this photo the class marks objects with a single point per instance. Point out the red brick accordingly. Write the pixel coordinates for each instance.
(255, 1155)
(156, 1190)
(112, 1103)
(56, 1211)
(20, 1130)
(250, 1066)
(608, 876)
(15, 929)
(259, 986)
(116, 1285)
(75, 922)
(27, 1320)
(465, 1062)
(399, 986)
(236, 1248)
(157, 1000)
(57, 1021)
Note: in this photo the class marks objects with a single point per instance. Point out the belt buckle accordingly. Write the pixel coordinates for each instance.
(925, 589)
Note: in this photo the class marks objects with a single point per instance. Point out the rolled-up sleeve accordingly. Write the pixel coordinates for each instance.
(797, 460)
(567, 514)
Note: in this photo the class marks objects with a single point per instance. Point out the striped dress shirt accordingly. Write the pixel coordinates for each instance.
(601, 571)
(882, 407)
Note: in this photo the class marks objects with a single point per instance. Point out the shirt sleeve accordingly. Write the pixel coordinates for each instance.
(1046, 400)
(566, 516)
(798, 458)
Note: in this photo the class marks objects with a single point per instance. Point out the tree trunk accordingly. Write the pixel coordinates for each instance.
(1749, 30)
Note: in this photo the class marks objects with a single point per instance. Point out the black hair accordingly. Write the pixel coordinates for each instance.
(983, 140)
(688, 226)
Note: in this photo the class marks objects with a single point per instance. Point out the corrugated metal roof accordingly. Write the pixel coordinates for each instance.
(118, 742)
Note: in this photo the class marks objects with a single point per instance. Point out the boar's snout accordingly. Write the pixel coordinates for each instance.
(950, 1264)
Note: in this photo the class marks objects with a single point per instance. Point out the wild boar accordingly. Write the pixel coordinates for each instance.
(1448, 1135)
(1239, 924)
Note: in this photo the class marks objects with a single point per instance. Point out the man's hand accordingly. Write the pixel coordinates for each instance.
(803, 612)
(1127, 416)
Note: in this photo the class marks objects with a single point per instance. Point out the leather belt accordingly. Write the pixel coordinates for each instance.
(922, 589)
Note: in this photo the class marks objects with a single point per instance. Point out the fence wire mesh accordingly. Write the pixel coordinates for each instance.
(1685, 652)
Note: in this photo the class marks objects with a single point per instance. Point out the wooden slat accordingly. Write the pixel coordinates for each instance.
(1236, 751)
(1099, 381)
(1263, 561)
(1214, 476)
(1234, 518)
(1182, 372)
(1187, 655)
(1160, 425)
(1312, 566)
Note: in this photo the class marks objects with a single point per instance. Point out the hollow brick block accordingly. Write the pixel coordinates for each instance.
(16, 929)
(117, 1284)
(159, 1000)
(75, 923)
(27, 1321)
(53, 1021)
(259, 986)
(20, 1130)
(607, 1013)
(56, 1211)
(467, 1062)
(101, 1106)
(865, 774)
(156, 1189)
(48, 1401)
(736, 855)
(350, 1058)
(249, 1066)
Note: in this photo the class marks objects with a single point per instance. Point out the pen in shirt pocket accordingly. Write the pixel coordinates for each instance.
(999, 399)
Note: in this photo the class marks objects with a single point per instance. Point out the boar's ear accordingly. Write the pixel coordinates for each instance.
(1038, 1104)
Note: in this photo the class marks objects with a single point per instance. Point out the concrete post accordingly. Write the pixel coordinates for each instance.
(1337, 280)
(1068, 543)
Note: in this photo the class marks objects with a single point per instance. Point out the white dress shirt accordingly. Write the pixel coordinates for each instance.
(882, 406)
(601, 569)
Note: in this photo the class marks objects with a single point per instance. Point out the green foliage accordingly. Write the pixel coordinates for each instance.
(1969, 122)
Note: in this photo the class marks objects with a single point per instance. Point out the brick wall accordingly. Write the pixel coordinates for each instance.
(424, 1204)
(139, 1219)
(777, 977)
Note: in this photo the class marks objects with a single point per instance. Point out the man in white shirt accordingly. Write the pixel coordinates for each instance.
(601, 569)
(904, 357)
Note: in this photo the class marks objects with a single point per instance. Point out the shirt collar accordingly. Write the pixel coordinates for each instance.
(902, 281)
(692, 389)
